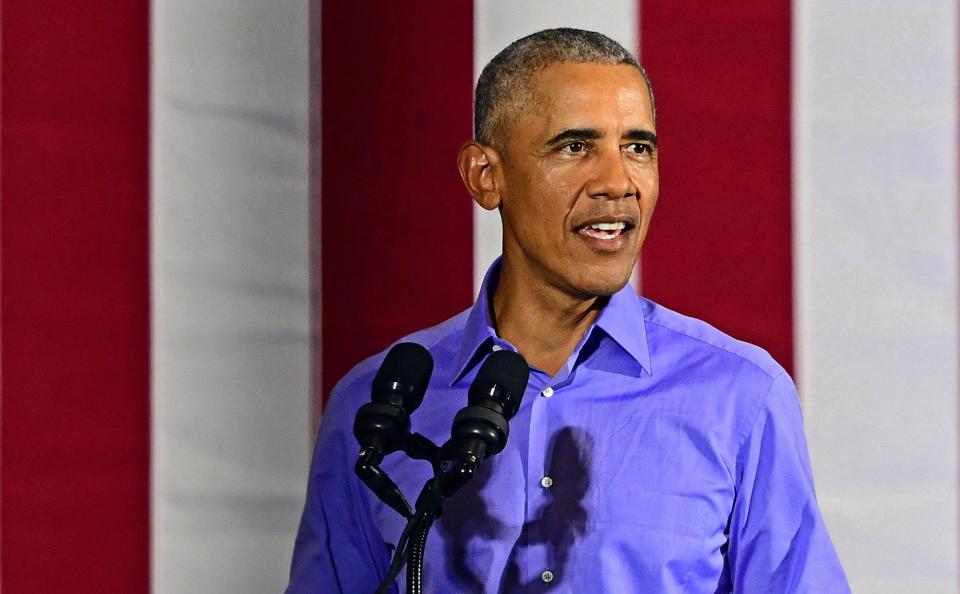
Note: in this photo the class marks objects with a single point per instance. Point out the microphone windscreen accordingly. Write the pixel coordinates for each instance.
(509, 371)
(406, 368)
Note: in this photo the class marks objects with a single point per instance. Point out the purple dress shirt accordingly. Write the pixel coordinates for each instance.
(664, 457)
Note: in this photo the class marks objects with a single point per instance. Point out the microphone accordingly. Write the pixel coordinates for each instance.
(480, 430)
(382, 425)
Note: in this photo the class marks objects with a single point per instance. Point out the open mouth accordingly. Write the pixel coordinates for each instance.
(607, 231)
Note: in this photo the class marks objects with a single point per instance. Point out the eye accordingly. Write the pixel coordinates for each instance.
(640, 148)
(575, 147)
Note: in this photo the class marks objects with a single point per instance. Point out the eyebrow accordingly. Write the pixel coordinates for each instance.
(574, 134)
(635, 135)
(641, 136)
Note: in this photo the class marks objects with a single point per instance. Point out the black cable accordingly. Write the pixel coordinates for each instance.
(399, 555)
(479, 431)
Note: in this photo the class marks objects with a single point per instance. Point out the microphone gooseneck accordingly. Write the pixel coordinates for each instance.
(479, 431)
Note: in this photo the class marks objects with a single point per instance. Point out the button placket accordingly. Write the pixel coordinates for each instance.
(538, 557)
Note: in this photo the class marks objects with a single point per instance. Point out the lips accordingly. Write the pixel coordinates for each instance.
(604, 231)
(605, 228)
(605, 235)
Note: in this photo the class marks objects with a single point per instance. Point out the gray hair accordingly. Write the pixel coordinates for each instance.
(505, 80)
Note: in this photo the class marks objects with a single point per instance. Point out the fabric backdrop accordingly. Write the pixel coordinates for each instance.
(211, 210)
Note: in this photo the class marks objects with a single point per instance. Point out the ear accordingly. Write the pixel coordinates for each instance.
(477, 164)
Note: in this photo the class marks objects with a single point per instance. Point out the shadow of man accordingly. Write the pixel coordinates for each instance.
(562, 520)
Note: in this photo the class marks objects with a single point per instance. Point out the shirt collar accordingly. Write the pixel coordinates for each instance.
(478, 330)
(622, 319)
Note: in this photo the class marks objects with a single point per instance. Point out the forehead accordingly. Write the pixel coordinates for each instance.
(572, 94)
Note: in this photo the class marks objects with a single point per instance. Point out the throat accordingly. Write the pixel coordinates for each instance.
(548, 362)
(545, 328)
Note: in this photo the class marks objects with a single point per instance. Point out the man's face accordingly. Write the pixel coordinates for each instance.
(579, 180)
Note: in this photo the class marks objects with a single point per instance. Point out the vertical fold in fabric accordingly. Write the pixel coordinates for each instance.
(720, 245)
(74, 297)
(315, 213)
(231, 292)
(396, 230)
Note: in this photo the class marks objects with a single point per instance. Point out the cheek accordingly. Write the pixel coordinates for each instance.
(648, 199)
(647, 182)
(557, 183)
(552, 199)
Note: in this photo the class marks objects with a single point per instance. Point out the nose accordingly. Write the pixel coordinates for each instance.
(611, 179)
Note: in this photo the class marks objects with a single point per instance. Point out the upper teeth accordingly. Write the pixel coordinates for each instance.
(609, 226)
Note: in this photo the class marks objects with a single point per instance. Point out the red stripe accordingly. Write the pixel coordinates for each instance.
(74, 296)
(720, 245)
(396, 223)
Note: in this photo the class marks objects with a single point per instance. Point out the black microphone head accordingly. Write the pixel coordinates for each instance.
(502, 377)
(403, 376)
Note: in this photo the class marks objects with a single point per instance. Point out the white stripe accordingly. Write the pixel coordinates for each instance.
(230, 292)
(497, 23)
(875, 151)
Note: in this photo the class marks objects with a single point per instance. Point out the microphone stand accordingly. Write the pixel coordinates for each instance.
(413, 541)
(430, 504)
(480, 430)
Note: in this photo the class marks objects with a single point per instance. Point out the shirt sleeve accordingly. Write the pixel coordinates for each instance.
(338, 547)
(778, 540)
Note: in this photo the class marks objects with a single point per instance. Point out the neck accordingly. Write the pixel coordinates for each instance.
(544, 322)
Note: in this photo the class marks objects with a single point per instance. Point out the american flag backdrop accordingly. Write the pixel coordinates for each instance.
(212, 209)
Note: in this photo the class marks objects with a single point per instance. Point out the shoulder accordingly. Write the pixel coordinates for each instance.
(673, 335)
(731, 381)
(727, 377)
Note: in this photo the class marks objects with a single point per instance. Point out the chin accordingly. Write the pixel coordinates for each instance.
(603, 280)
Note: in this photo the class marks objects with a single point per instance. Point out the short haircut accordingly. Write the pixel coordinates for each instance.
(505, 83)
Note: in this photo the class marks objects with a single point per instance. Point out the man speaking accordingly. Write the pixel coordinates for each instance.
(651, 452)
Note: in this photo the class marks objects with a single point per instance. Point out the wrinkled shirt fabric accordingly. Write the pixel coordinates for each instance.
(664, 457)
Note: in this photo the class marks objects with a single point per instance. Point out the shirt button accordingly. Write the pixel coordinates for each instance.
(546, 482)
(497, 347)
(547, 392)
(547, 576)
